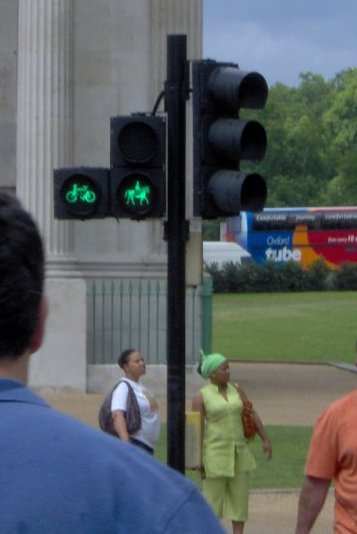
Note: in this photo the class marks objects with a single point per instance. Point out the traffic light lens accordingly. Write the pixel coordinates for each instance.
(236, 139)
(253, 91)
(253, 141)
(138, 142)
(233, 88)
(254, 193)
(136, 193)
(80, 195)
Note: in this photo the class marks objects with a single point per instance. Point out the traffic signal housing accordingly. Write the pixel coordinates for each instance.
(81, 193)
(221, 139)
(138, 173)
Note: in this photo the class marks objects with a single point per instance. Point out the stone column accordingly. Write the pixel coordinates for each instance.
(45, 112)
(45, 142)
(170, 17)
(176, 17)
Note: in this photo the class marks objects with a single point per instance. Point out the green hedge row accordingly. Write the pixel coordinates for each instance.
(285, 277)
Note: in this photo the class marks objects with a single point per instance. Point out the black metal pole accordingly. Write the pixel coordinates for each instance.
(176, 88)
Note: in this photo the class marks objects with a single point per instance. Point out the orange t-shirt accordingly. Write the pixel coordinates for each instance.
(333, 455)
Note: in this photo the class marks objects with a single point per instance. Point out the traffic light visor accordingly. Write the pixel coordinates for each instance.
(233, 191)
(137, 142)
(236, 139)
(233, 88)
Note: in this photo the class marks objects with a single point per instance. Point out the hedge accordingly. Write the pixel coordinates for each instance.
(281, 277)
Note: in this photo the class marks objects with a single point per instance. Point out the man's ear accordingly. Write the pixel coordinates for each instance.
(39, 332)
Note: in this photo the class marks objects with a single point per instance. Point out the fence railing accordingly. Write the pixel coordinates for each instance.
(132, 313)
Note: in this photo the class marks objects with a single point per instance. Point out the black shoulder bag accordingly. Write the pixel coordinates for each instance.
(132, 415)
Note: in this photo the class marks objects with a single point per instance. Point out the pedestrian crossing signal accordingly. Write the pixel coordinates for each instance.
(138, 174)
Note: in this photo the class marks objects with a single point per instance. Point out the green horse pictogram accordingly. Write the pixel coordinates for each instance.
(138, 195)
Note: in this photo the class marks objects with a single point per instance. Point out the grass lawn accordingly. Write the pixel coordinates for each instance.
(286, 468)
(312, 326)
(284, 471)
(306, 327)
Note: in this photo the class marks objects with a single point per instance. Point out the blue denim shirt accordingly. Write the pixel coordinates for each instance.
(59, 476)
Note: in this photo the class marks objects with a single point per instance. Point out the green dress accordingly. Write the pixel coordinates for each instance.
(223, 439)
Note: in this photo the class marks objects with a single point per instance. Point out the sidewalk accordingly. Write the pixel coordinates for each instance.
(275, 513)
(283, 394)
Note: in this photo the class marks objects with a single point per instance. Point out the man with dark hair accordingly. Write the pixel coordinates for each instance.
(58, 475)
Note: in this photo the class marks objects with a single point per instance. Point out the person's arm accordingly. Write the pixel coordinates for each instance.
(262, 433)
(198, 406)
(119, 424)
(197, 403)
(312, 498)
(118, 407)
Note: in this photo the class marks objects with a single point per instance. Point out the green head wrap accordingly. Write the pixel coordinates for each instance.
(211, 362)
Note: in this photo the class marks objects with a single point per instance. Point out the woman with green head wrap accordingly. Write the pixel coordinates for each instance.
(226, 458)
(210, 362)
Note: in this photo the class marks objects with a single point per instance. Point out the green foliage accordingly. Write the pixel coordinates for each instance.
(346, 277)
(311, 156)
(218, 277)
(289, 276)
(210, 230)
(319, 277)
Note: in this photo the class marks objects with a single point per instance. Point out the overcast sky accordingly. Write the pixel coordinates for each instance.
(282, 38)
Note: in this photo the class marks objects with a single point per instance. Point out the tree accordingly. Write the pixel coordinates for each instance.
(311, 141)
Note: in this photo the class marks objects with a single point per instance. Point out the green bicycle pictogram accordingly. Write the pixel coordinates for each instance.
(80, 193)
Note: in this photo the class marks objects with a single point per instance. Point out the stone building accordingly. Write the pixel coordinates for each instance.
(66, 67)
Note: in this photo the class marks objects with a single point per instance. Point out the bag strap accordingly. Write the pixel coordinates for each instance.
(126, 382)
(131, 393)
(242, 394)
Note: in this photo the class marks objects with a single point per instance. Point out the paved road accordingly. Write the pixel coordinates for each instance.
(292, 394)
(283, 394)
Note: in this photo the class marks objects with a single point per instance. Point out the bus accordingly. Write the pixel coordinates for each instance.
(303, 235)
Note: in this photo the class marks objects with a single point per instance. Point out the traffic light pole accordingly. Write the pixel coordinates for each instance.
(176, 91)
